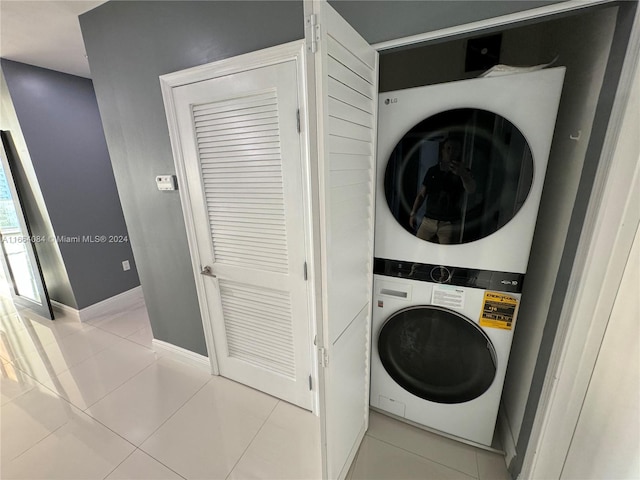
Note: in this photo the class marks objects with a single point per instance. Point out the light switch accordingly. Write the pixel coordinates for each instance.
(166, 182)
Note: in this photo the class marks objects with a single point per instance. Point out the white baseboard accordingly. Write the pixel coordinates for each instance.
(120, 303)
(65, 310)
(506, 436)
(180, 354)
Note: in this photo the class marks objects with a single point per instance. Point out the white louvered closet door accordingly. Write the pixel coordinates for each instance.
(346, 79)
(242, 154)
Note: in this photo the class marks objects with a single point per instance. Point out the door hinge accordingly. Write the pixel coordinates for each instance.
(310, 383)
(298, 120)
(323, 357)
(305, 271)
(313, 32)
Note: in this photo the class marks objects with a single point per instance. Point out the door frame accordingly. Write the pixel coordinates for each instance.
(44, 308)
(577, 339)
(292, 51)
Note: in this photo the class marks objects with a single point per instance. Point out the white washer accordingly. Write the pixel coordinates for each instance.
(437, 365)
(491, 120)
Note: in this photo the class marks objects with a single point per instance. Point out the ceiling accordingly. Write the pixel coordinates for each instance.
(45, 33)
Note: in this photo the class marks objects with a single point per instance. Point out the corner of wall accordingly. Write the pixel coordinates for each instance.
(53, 268)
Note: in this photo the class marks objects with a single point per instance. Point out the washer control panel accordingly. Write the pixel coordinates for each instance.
(450, 275)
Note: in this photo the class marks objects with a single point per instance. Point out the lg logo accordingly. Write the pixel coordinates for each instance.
(390, 100)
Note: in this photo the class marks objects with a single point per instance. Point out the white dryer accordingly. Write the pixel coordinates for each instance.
(479, 210)
(440, 350)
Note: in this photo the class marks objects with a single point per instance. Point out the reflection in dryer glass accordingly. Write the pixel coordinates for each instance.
(458, 176)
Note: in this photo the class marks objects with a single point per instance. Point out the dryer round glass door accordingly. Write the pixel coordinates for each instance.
(458, 176)
(437, 354)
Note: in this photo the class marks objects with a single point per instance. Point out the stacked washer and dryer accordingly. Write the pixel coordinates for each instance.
(460, 172)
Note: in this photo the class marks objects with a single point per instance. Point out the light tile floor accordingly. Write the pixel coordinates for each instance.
(93, 401)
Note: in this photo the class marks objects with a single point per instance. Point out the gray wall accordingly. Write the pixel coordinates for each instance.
(382, 20)
(53, 270)
(129, 45)
(60, 121)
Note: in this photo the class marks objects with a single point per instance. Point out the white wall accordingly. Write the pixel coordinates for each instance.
(583, 45)
(606, 442)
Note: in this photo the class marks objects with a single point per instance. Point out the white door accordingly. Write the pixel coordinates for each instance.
(346, 79)
(240, 145)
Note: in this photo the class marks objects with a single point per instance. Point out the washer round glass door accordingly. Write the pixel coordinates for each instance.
(437, 354)
(458, 176)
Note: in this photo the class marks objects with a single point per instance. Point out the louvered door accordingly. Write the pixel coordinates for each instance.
(346, 80)
(242, 155)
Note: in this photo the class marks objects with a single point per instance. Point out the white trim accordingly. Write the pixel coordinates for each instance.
(496, 22)
(167, 83)
(180, 354)
(609, 228)
(65, 309)
(505, 435)
(241, 63)
(111, 306)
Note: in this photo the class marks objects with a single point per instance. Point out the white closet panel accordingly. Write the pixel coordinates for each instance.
(238, 150)
(350, 128)
(346, 73)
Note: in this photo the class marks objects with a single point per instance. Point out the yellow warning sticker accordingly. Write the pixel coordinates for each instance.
(498, 310)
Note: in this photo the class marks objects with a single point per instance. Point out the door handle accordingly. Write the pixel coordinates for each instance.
(206, 270)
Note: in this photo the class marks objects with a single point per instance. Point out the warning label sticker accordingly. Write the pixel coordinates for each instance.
(498, 310)
(447, 296)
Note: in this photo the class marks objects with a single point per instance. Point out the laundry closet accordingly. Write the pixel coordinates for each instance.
(276, 159)
(408, 286)
(404, 286)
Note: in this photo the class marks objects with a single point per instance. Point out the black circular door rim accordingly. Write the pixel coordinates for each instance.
(477, 329)
(470, 223)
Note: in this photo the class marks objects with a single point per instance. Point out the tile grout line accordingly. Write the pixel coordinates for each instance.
(56, 375)
(116, 467)
(138, 449)
(26, 391)
(170, 417)
(113, 333)
(71, 404)
(57, 394)
(118, 387)
(39, 351)
(425, 458)
(63, 425)
(253, 439)
(96, 421)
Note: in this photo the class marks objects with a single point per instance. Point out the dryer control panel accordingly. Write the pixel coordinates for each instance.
(450, 275)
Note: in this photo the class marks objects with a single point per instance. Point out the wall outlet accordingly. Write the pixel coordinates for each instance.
(166, 182)
(126, 266)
